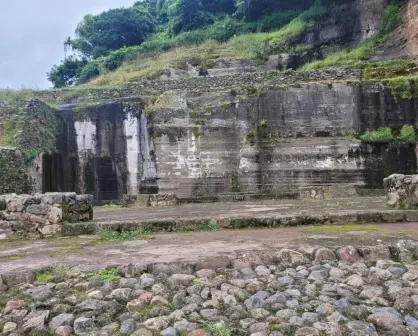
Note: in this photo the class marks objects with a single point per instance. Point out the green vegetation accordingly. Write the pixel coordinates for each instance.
(252, 137)
(113, 235)
(44, 276)
(129, 38)
(407, 134)
(219, 329)
(107, 275)
(402, 87)
(210, 227)
(386, 134)
(383, 134)
(392, 17)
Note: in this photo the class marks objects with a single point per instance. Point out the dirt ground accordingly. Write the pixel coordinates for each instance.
(88, 252)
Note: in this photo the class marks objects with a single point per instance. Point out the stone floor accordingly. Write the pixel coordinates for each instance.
(89, 252)
(263, 208)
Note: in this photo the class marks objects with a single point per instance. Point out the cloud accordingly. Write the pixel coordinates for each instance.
(32, 35)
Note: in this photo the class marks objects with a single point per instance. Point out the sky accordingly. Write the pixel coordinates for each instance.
(32, 34)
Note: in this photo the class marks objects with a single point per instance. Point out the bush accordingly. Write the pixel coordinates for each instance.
(407, 134)
(381, 135)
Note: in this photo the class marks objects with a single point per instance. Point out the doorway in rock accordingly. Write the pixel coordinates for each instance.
(59, 174)
(108, 180)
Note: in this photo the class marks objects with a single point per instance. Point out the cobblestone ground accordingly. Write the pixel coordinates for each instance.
(307, 290)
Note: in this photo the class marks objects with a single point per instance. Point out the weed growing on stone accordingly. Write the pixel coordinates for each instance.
(219, 329)
(44, 276)
(107, 275)
(383, 134)
(210, 228)
(113, 235)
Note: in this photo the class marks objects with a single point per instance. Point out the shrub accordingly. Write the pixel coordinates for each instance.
(407, 134)
(381, 135)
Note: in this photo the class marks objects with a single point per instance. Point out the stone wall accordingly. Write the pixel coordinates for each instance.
(261, 140)
(401, 190)
(201, 84)
(41, 215)
(14, 176)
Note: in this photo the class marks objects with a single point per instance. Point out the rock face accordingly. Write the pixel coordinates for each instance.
(41, 215)
(328, 294)
(401, 190)
(273, 139)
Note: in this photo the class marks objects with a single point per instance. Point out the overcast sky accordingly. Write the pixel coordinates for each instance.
(32, 34)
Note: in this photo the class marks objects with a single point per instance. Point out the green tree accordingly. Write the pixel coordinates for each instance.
(97, 35)
(67, 72)
(186, 15)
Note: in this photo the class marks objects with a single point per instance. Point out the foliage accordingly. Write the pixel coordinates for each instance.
(392, 17)
(67, 72)
(219, 329)
(383, 134)
(121, 37)
(401, 87)
(107, 275)
(386, 134)
(113, 235)
(44, 276)
(407, 134)
(96, 35)
(210, 227)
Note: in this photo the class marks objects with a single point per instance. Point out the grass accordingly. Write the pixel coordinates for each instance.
(249, 46)
(392, 17)
(107, 276)
(320, 229)
(210, 228)
(219, 329)
(44, 276)
(114, 235)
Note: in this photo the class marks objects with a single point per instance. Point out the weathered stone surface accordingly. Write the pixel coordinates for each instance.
(83, 326)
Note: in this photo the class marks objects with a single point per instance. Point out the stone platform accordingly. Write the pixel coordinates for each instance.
(266, 213)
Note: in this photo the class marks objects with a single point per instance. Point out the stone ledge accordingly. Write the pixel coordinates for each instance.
(41, 215)
(260, 221)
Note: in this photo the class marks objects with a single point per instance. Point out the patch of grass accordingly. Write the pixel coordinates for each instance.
(321, 229)
(200, 122)
(210, 228)
(252, 137)
(107, 275)
(392, 17)
(183, 229)
(44, 276)
(197, 133)
(219, 329)
(144, 312)
(108, 206)
(114, 235)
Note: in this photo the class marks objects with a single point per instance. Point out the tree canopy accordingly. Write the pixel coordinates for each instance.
(102, 42)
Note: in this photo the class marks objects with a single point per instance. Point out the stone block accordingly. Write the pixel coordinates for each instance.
(55, 215)
(37, 209)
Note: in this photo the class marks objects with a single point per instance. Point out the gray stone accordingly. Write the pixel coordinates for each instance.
(185, 326)
(291, 257)
(177, 280)
(369, 292)
(61, 320)
(411, 321)
(324, 254)
(384, 321)
(83, 326)
(307, 331)
(337, 317)
(127, 327)
(169, 332)
(361, 328)
(348, 254)
(157, 323)
(256, 301)
(39, 293)
(9, 327)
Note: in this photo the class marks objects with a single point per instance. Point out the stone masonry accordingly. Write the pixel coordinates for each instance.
(41, 215)
(353, 291)
(401, 190)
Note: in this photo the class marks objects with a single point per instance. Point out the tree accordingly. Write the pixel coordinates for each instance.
(67, 72)
(97, 35)
(186, 15)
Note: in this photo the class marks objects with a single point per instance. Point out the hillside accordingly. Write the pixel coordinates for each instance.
(238, 37)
